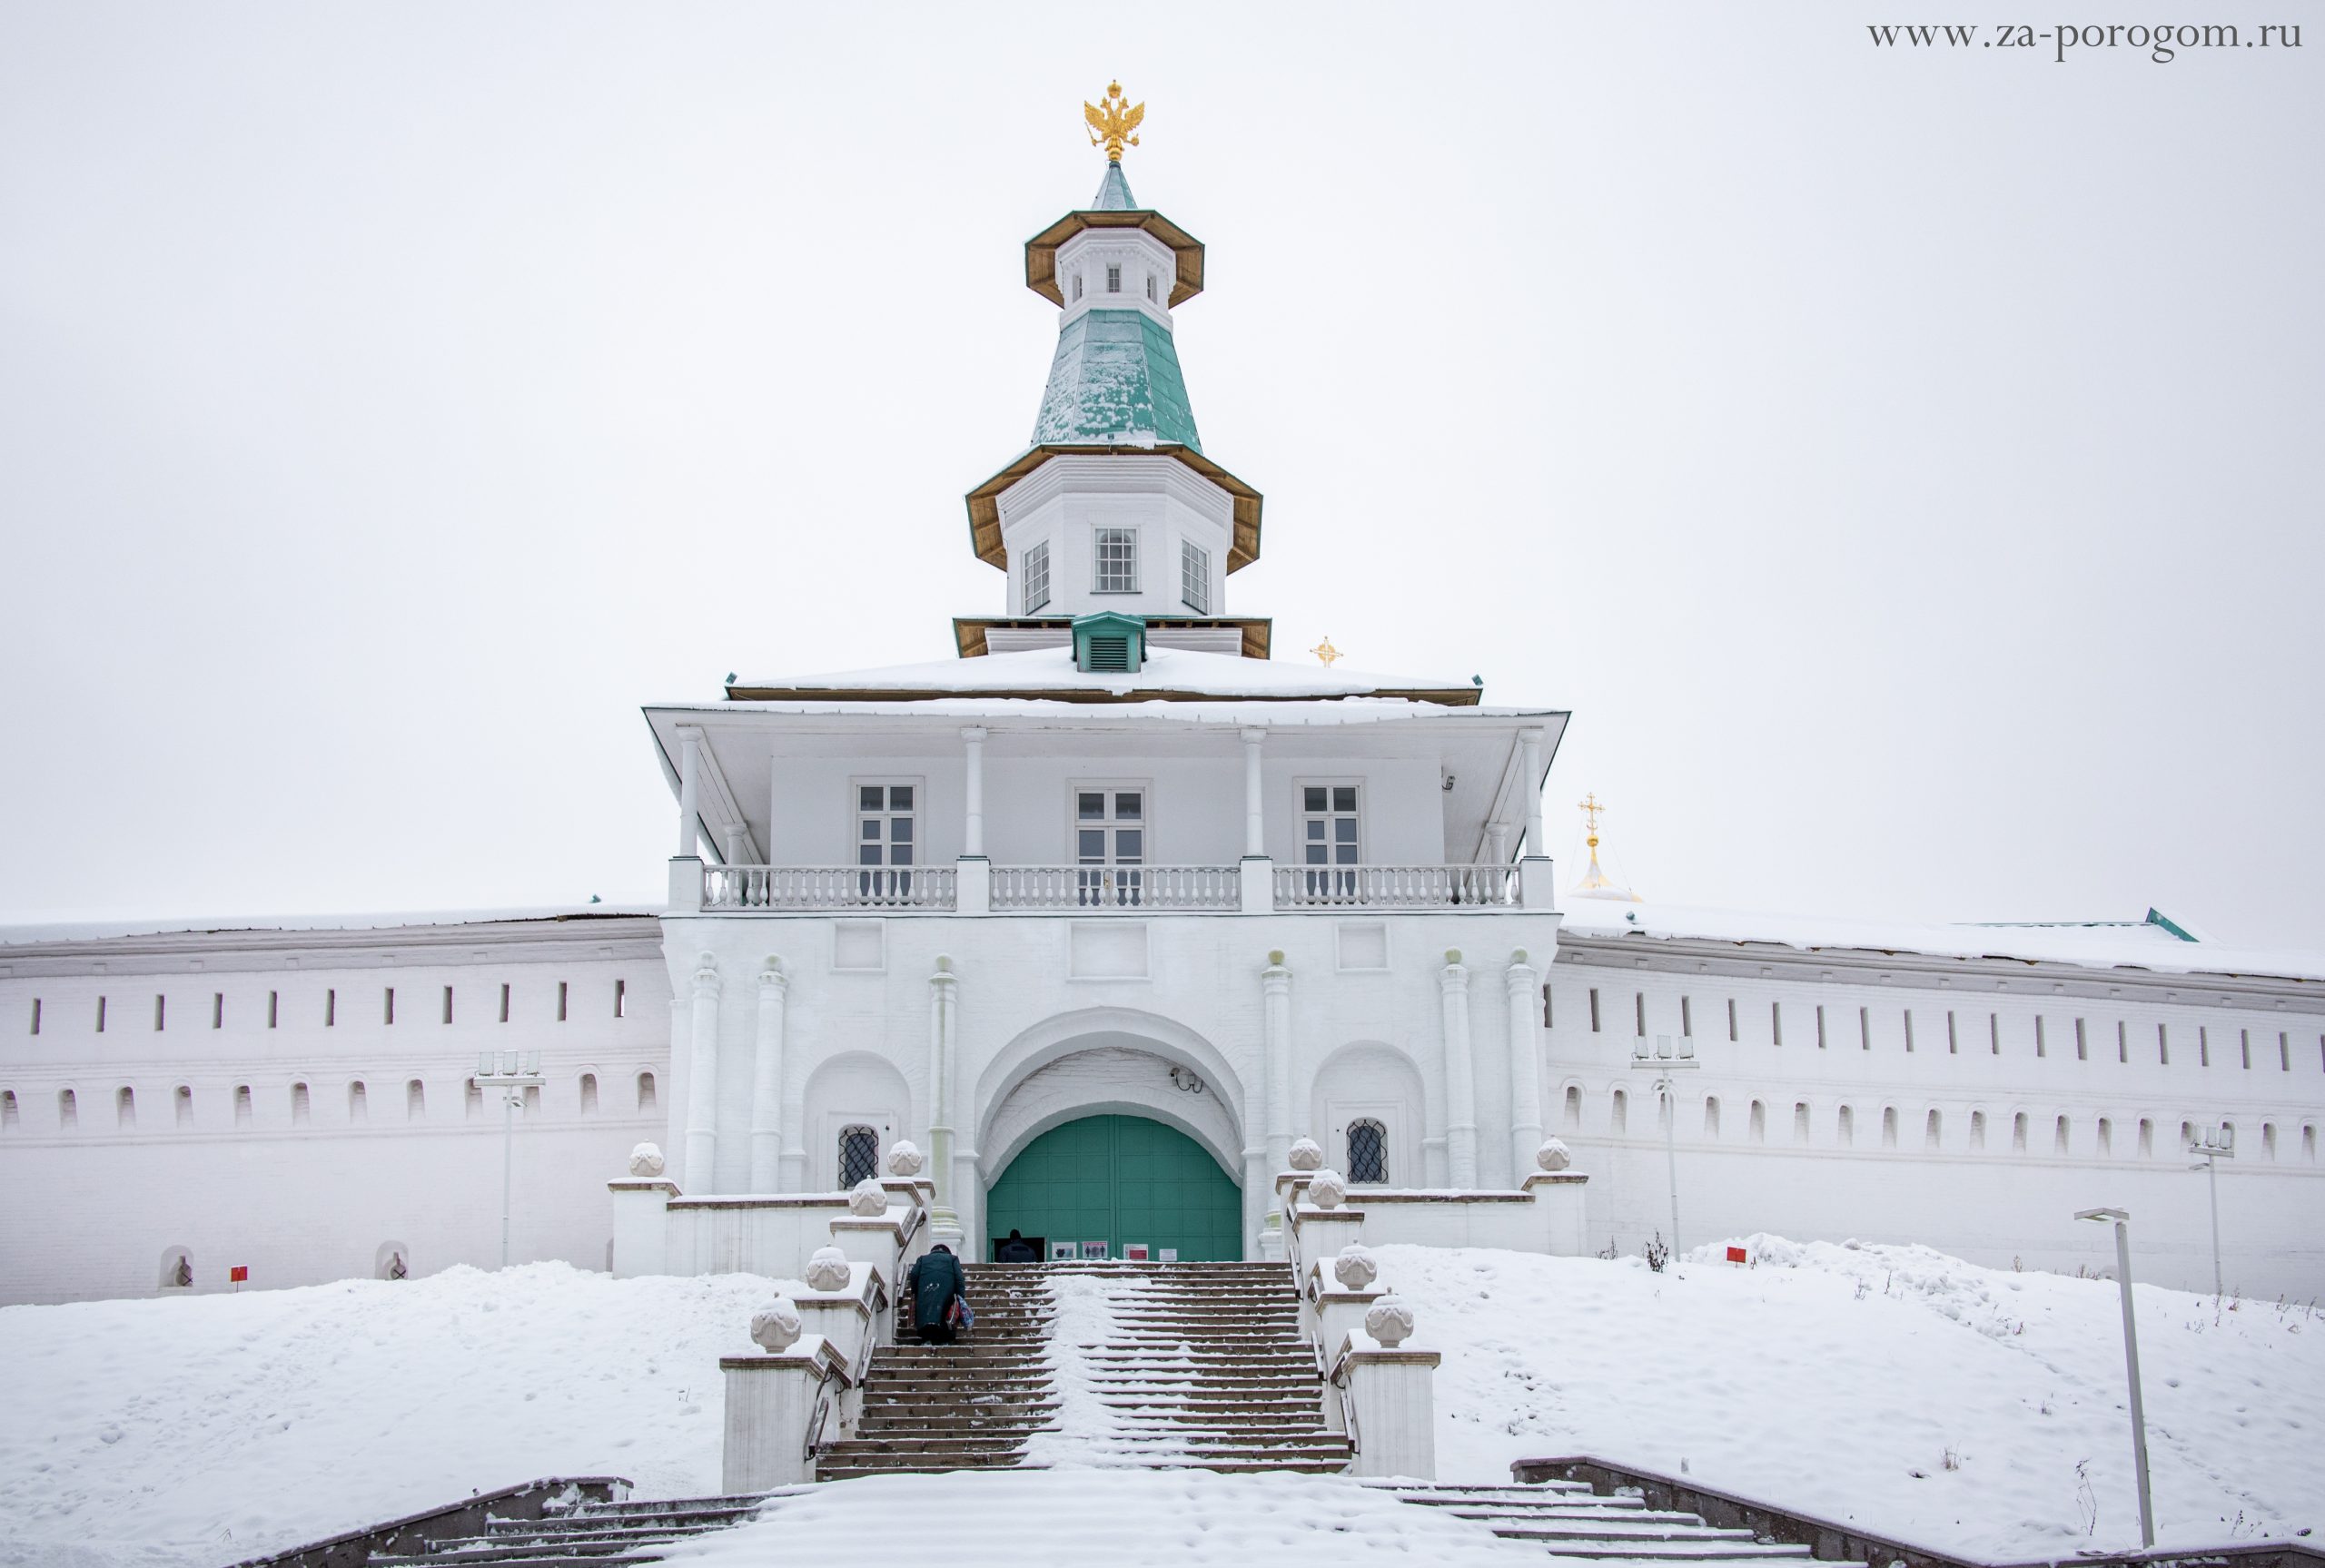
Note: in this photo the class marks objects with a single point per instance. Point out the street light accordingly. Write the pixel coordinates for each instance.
(2211, 1147)
(1663, 1064)
(2131, 1359)
(511, 1076)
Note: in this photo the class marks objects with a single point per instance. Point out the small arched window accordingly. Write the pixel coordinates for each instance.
(7, 1108)
(184, 1101)
(1711, 1119)
(68, 1113)
(415, 1101)
(859, 1154)
(241, 1105)
(1756, 1127)
(1573, 1108)
(645, 1091)
(359, 1102)
(1114, 278)
(1619, 1115)
(589, 1094)
(1933, 1131)
(299, 1105)
(125, 1104)
(1368, 1151)
(1847, 1126)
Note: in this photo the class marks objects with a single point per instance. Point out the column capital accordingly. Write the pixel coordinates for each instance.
(689, 734)
(942, 975)
(772, 976)
(972, 732)
(1277, 974)
(706, 973)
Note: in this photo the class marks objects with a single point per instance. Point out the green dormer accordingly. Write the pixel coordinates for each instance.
(1109, 643)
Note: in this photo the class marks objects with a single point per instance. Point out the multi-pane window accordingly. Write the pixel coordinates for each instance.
(884, 836)
(1038, 576)
(1114, 278)
(859, 1154)
(1328, 836)
(1117, 561)
(1077, 285)
(1368, 1151)
(1150, 288)
(1110, 845)
(1194, 576)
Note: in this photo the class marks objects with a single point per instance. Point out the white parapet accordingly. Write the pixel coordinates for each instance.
(1317, 1235)
(641, 1226)
(1392, 1393)
(772, 1401)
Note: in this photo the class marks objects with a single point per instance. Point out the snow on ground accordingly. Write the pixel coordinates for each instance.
(1123, 1518)
(1829, 1380)
(1922, 1397)
(212, 1428)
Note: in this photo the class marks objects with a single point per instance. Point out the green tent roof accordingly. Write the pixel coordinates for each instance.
(1114, 193)
(1117, 376)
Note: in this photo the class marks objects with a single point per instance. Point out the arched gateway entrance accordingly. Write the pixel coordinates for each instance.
(1123, 1181)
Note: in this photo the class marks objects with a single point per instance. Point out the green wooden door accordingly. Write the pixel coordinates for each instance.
(1122, 1180)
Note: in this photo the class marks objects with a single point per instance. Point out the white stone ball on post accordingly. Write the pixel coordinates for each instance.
(1306, 1154)
(868, 1199)
(1389, 1322)
(1354, 1267)
(775, 1328)
(827, 1269)
(905, 1157)
(1554, 1155)
(1326, 1188)
(646, 1160)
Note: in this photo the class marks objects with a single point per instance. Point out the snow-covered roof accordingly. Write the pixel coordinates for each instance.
(1165, 671)
(2150, 943)
(230, 925)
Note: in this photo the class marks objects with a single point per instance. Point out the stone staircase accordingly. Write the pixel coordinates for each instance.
(1157, 1364)
(1568, 1519)
(594, 1535)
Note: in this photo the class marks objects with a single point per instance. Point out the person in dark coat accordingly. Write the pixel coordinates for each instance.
(935, 1283)
(1016, 1249)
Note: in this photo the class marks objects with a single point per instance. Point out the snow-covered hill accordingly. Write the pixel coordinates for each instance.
(1826, 1378)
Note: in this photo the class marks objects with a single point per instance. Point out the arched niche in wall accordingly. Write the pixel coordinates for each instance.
(1369, 1081)
(855, 1089)
(177, 1269)
(1165, 1043)
(1110, 1081)
(393, 1261)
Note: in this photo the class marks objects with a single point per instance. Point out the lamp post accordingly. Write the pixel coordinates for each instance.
(511, 1076)
(2211, 1147)
(2122, 1219)
(1663, 1064)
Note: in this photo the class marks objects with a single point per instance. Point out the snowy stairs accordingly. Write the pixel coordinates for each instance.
(1568, 1519)
(1137, 1365)
(595, 1534)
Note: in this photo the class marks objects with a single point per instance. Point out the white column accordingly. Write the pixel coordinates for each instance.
(1523, 985)
(941, 998)
(1255, 797)
(1537, 844)
(766, 1081)
(689, 791)
(1498, 844)
(700, 1175)
(1461, 1081)
(1275, 982)
(972, 792)
(735, 833)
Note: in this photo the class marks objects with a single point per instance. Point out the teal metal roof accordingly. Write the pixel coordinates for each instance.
(1116, 375)
(1114, 193)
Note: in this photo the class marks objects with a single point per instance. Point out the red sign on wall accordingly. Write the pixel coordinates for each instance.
(238, 1274)
(1737, 1255)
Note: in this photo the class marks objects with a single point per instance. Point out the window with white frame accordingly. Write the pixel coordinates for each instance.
(1149, 289)
(1077, 285)
(1113, 277)
(1329, 835)
(1109, 845)
(886, 836)
(1194, 576)
(1038, 576)
(1117, 561)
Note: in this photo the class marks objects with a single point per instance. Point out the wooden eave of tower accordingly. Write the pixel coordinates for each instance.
(985, 502)
(1041, 251)
(969, 631)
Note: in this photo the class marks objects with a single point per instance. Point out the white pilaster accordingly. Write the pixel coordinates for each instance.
(1275, 985)
(1536, 842)
(941, 999)
(1460, 1080)
(1522, 986)
(1255, 797)
(766, 1081)
(702, 1081)
(689, 792)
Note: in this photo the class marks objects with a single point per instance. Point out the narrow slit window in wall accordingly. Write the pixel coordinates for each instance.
(415, 1101)
(1845, 1126)
(2122, 1041)
(2203, 1046)
(2163, 1044)
(2041, 1041)
(1888, 1127)
(1953, 1042)
(2018, 1133)
(100, 1015)
(273, 1008)
(299, 1105)
(8, 1113)
(1731, 1020)
(1573, 1108)
(1994, 1034)
(160, 1005)
(68, 1113)
(184, 1101)
(1820, 1026)
(1800, 1121)
(1776, 1023)
(2244, 1045)
(622, 999)
(1638, 1011)
(2106, 1138)
(1756, 1127)
(1150, 288)
(473, 1101)
(561, 1001)
(2082, 1042)
(2269, 1141)
(1618, 1118)
(2147, 1138)
(359, 1102)
(1977, 1130)
(448, 1004)
(1711, 1119)
(124, 1106)
(1909, 1032)
(531, 1106)
(589, 1094)
(645, 1091)
(1546, 1005)
(2284, 1052)
(1594, 1010)
(1933, 1131)
(2059, 1139)
(388, 1005)
(330, 1007)
(504, 1001)
(241, 1105)
(1687, 1017)
(218, 1009)
(36, 1015)
(1864, 1029)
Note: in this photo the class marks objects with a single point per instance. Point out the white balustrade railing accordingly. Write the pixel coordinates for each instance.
(828, 886)
(1395, 886)
(1117, 887)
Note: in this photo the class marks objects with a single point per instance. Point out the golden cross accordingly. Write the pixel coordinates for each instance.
(1590, 808)
(1111, 123)
(1326, 655)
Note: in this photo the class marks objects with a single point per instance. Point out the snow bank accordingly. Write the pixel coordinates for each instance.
(212, 1428)
(1909, 1392)
(1123, 1518)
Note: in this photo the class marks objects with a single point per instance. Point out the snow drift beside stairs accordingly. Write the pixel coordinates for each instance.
(1919, 1396)
(212, 1428)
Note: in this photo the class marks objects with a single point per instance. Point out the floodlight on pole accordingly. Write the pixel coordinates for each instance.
(1662, 1064)
(2211, 1147)
(511, 1075)
(2122, 1219)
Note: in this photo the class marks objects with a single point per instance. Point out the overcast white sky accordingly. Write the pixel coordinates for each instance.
(1905, 465)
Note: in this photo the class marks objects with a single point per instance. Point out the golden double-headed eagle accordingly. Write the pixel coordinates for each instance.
(1111, 123)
